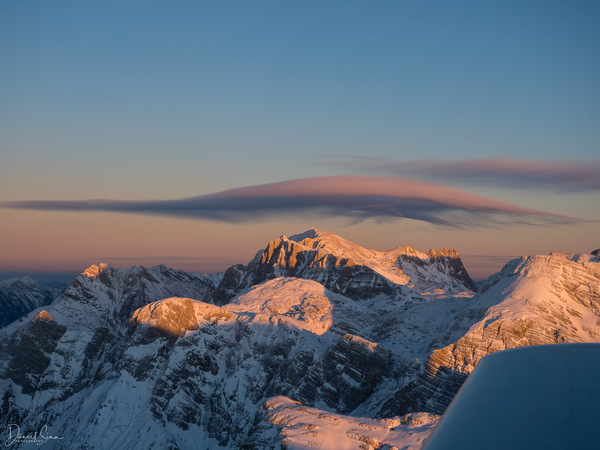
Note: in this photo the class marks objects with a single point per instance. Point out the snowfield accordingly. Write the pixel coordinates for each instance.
(303, 427)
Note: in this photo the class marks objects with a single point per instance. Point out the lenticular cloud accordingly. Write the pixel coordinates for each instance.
(556, 176)
(358, 197)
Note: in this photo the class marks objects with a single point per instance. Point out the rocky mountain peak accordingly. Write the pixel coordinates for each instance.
(443, 253)
(424, 268)
(281, 252)
(407, 250)
(25, 280)
(93, 271)
(533, 300)
(20, 295)
(308, 234)
(43, 316)
(139, 358)
(340, 267)
(331, 259)
(116, 293)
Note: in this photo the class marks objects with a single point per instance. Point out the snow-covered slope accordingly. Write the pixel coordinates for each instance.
(188, 373)
(303, 427)
(435, 270)
(534, 300)
(349, 269)
(89, 315)
(145, 358)
(178, 316)
(20, 295)
(108, 296)
(304, 304)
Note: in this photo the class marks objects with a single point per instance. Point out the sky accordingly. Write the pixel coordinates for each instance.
(193, 133)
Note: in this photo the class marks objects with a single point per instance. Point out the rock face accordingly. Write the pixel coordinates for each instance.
(21, 295)
(30, 351)
(83, 323)
(436, 270)
(313, 328)
(203, 369)
(533, 300)
(349, 269)
(109, 296)
(285, 258)
(177, 316)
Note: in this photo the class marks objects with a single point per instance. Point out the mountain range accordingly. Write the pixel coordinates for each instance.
(20, 295)
(315, 341)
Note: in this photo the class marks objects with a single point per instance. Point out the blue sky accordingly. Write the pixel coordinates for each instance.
(164, 100)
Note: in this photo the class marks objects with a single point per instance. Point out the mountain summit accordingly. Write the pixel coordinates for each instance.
(20, 295)
(317, 341)
(436, 269)
(349, 268)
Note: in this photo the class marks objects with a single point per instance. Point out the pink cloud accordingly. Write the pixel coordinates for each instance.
(559, 176)
(359, 197)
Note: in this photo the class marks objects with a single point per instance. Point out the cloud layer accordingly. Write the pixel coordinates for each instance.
(556, 176)
(357, 197)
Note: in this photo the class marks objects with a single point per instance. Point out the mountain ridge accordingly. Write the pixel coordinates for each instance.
(533, 300)
(348, 268)
(20, 295)
(149, 358)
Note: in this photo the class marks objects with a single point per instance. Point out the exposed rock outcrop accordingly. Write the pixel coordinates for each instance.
(140, 358)
(18, 296)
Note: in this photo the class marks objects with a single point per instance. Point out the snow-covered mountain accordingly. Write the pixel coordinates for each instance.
(435, 270)
(349, 269)
(184, 368)
(534, 300)
(303, 427)
(20, 295)
(316, 340)
(109, 296)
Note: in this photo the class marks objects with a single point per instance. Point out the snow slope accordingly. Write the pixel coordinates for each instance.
(304, 304)
(20, 295)
(349, 269)
(404, 265)
(534, 300)
(105, 296)
(189, 373)
(303, 427)
(310, 331)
